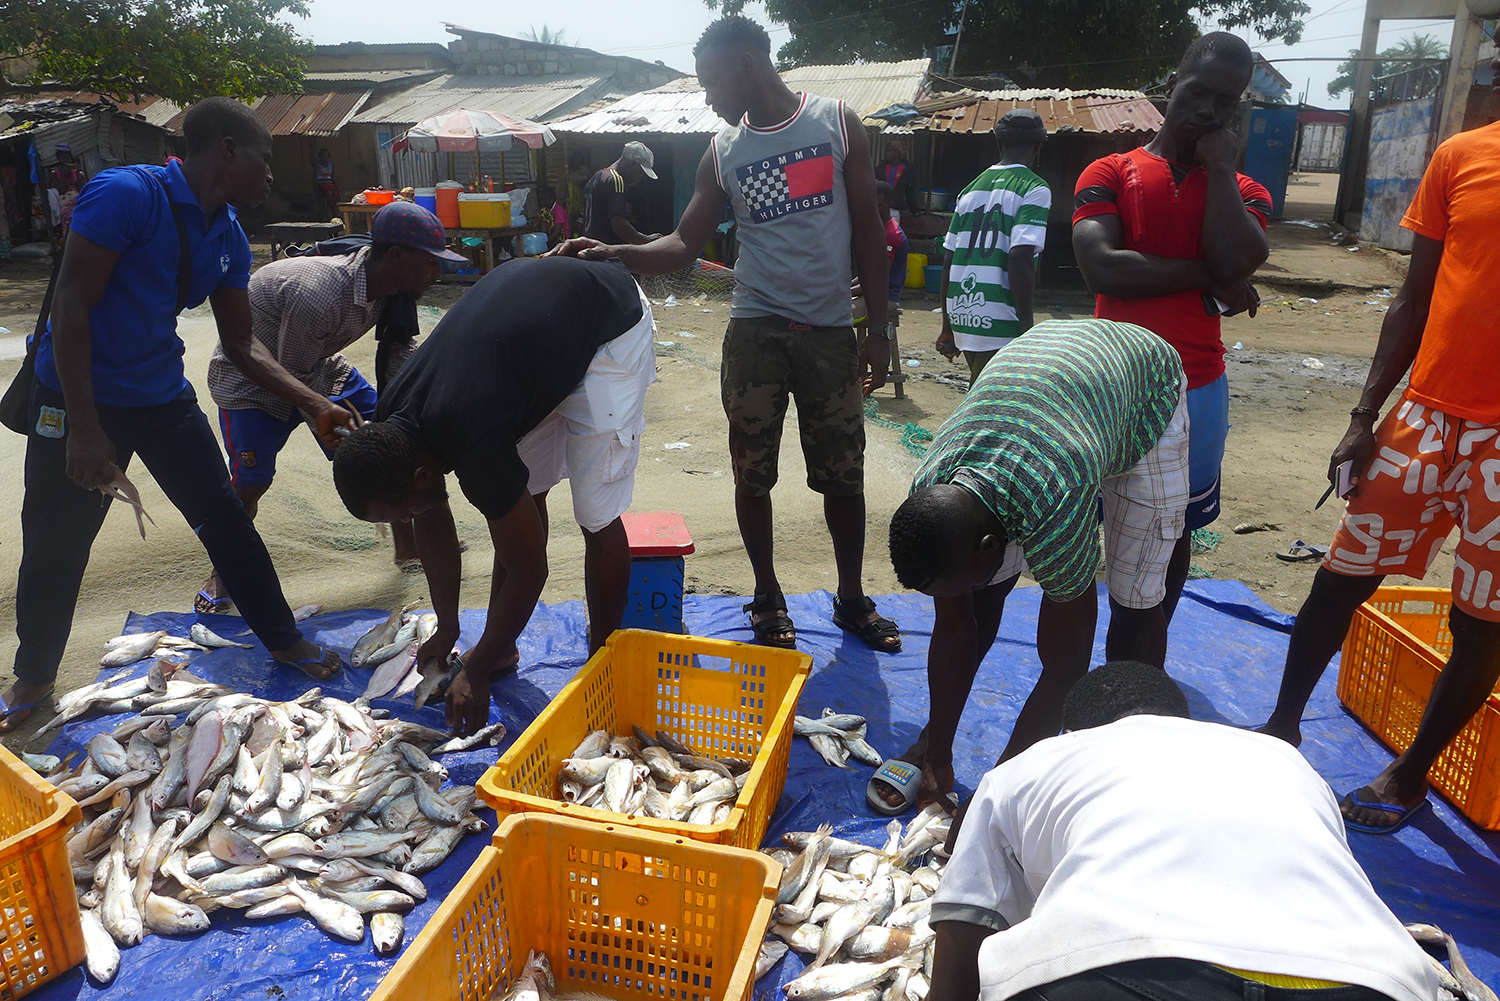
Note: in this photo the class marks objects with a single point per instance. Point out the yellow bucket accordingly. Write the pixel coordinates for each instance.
(914, 265)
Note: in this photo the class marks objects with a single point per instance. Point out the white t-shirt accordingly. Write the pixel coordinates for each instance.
(1158, 837)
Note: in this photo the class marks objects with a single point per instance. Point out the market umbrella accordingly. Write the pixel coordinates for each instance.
(465, 131)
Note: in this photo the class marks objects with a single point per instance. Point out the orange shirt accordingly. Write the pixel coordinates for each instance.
(1458, 203)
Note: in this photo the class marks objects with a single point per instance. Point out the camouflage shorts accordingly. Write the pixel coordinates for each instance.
(767, 359)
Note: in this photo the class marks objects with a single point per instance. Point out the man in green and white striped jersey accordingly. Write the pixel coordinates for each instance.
(999, 225)
(1074, 412)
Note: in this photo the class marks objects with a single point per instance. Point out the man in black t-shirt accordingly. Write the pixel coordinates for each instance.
(606, 215)
(538, 373)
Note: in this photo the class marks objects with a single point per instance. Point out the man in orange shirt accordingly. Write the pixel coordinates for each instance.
(1433, 464)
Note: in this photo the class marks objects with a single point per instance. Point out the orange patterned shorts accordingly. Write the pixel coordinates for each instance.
(1430, 473)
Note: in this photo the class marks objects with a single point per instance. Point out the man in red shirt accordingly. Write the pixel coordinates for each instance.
(1167, 237)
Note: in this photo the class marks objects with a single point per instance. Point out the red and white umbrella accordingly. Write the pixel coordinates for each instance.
(465, 131)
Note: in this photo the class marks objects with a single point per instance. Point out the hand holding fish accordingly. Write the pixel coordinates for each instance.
(90, 454)
(332, 419)
(120, 488)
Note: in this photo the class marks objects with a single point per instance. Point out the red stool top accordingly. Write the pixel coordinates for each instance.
(657, 533)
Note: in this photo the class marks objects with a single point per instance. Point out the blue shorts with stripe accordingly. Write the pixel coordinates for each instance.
(253, 437)
(1208, 427)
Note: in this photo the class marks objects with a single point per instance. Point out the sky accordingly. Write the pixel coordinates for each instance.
(667, 29)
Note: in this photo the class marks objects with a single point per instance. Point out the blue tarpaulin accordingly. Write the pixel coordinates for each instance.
(1227, 649)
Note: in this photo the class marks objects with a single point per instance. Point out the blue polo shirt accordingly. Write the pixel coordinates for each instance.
(137, 355)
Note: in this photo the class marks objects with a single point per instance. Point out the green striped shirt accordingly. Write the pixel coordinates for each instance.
(1005, 207)
(1054, 415)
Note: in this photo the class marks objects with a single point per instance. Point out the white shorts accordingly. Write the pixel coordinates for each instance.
(593, 438)
(1145, 509)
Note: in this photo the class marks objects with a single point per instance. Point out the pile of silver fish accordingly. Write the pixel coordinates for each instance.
(207, 798)
(860, 912)
(391, 649)
(653, 776)
(537, 983)
(837, 737)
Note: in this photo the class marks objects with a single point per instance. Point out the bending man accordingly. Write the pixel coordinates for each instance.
(1071, 412)
(304, 311)
(538, 373)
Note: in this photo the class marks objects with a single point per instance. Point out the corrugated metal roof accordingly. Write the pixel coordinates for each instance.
(661, 111)
(1100, 111)
(865, 87)
(309, 114)
(678, 107)
(160, 112)
(536, 98)
(375, 77)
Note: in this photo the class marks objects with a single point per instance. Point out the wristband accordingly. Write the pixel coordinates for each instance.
(1369, 412)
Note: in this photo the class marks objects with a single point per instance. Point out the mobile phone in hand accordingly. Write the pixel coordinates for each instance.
(1344, 474)
(1214, 306)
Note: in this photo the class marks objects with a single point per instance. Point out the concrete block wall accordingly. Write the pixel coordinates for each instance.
(494, 55)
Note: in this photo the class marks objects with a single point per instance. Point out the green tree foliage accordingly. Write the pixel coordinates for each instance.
(548, 36)
(1054, 43)
(1392, 60)
(183, 50)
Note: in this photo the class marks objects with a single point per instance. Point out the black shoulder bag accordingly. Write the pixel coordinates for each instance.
(15, 405)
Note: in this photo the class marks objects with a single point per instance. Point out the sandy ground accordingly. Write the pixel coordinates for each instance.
(1286, 414)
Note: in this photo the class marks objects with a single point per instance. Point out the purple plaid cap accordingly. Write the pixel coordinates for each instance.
(407, 224)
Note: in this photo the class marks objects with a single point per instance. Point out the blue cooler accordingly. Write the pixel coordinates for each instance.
(427, 198)
(658, 542)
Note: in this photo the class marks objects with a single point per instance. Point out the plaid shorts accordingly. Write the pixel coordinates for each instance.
(767, 360)
(1144, 511)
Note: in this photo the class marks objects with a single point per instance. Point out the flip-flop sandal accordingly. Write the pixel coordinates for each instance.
(876, 634)
(205, 603)
(902, 776)
(1403, 815)
(6, 712)
(310, 664)
(777, 622)
(1301, 552)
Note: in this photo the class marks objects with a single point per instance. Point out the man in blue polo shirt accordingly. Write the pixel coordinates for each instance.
(110, 384)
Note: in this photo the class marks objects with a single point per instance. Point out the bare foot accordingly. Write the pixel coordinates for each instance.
(20, 694)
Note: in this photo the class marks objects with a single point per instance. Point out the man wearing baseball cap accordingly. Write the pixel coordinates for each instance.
(605, 210)
(304, 311)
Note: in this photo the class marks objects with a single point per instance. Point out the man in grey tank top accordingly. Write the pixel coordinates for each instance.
(796, 168)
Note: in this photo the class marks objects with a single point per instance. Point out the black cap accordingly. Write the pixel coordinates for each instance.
(1021, 125)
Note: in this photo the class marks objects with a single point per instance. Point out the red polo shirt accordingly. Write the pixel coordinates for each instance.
(1161, 207)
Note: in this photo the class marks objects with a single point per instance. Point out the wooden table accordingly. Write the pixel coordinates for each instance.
(357, 217)
(285, 234)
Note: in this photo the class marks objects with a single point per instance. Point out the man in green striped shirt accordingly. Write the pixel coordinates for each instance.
(999, 226)
(1075, 411)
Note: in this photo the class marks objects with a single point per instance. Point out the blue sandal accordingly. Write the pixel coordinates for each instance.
(1403, 814)
(310, 664)
(206, 604)
(6, 712)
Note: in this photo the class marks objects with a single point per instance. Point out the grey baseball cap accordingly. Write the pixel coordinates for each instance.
(640, 154)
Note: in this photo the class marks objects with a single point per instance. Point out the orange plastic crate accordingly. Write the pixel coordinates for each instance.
(1396, 647)
(620, 912)
(721, 699)
(41, 936)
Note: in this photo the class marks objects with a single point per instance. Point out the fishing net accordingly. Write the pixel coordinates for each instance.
(700, 282)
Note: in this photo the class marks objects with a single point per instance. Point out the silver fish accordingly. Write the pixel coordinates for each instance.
(157, 850)
(848, 722)
(405, 882)
(595, 745)
(771, 951)
(268, 784)
(206, 637)
(359, 844)
(378, 637)
(101, 955)
(802, 938)
(243, 877)
(862, 751)
(876, 943)
(83, 786)
(390, 673)
(118, 911)
(129, 780)
(335, 917)
(436, 807)
(210, 813)
(138, 833)
(232, 846)
(847, 922)
(278, 906)
(431, 853)
(828, 982)
(174, 772)
(797, 875)
(387, 929)
(131, 648)
(241, 899)
(44, 764)
(374, 901)
(166, 916)
(831, 749)
(141, 754)
(304, 612)
(491, 735)
(108, 756)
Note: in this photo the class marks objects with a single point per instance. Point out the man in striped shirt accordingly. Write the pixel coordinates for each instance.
(999, 226)
(1075, 411)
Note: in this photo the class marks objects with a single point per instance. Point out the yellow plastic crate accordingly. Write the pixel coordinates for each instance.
(1396, 647)
(41, 935)
(621, 912)
(721, 699)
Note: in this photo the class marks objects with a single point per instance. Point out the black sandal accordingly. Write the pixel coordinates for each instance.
(877, 633)
(776, 629)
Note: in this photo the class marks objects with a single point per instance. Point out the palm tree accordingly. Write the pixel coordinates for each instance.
(1399, 58)
(548, 36)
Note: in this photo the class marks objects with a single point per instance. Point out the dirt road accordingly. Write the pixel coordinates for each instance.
(1287, 414)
